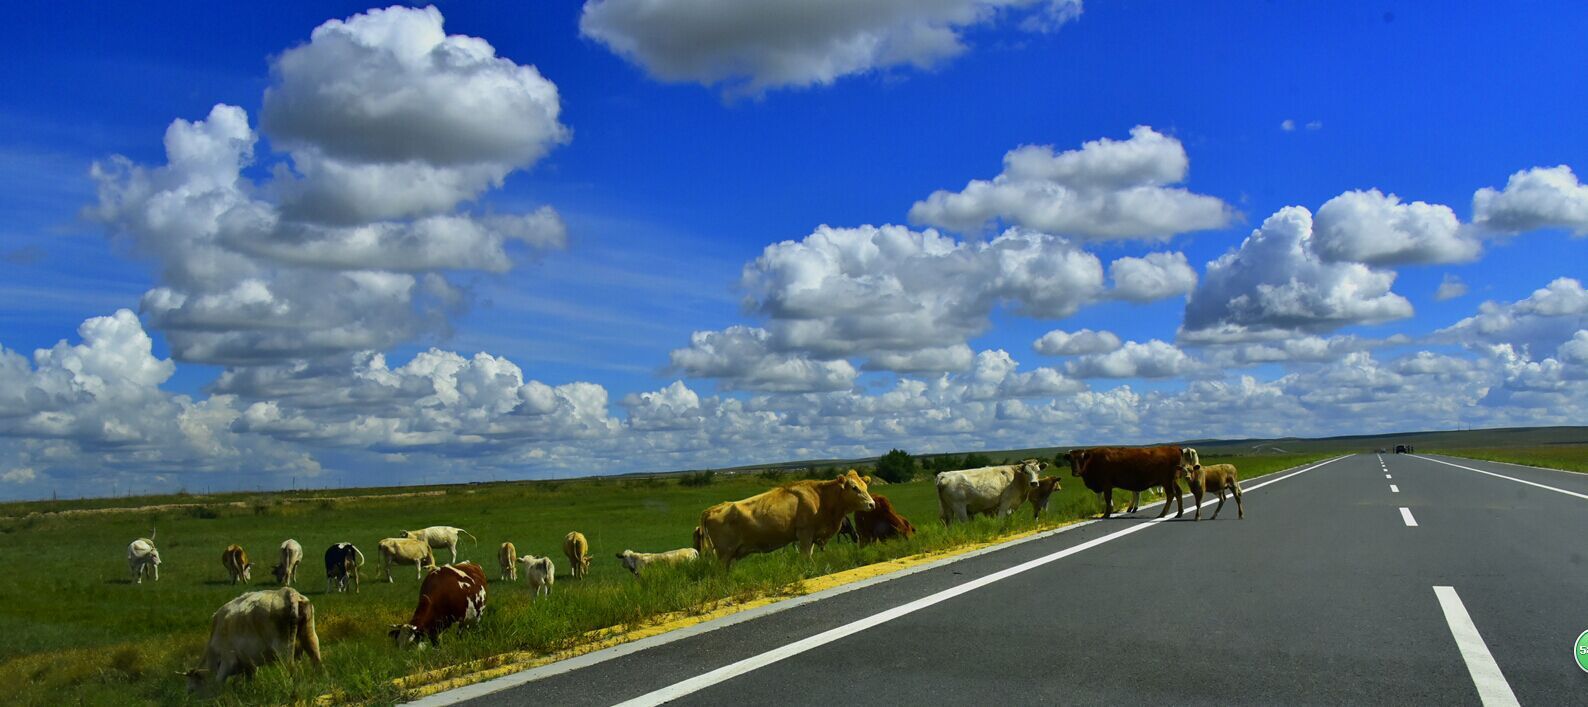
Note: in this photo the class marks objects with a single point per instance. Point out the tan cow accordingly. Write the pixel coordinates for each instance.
(255, 629)
(636, 562)
(1042, 493)
(803, 512)
(539, 574)
(291, 555)
(143, 559)
(235, 560)
(507, 557)
(1217, 478)
(405, 551)
(578, 551)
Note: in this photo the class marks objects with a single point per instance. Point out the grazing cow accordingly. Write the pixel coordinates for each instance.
(1217, 478)
(342, 561)
(143, 559)
(637, 561)
(881, 523)
(440, 536)
(507, 557)
(846, 529)
(405, 551)
(803, 511)
(291, 556)
(451, 594)
(235, 560)
(996, 490)
(539, 573)
(577, 549)
(1104, 469)
(1040, 495)
(255, 629)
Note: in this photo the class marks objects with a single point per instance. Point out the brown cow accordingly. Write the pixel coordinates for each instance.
(235, 560)
(1104, 469)
(804, 511)
(881, 523)
(451, 594)
(1040, 495)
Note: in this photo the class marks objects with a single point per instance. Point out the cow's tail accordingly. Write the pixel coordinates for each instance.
(303, 629)
(153, 532)
(359, 553)
(471, 536)
(942, 501)
(702, 540)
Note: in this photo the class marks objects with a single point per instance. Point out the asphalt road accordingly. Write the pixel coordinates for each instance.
(1323, 594)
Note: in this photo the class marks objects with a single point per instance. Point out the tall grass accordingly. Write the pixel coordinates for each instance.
(78, 631)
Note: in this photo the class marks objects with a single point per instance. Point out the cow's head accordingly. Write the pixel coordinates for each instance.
(406, 635)
(154, 556)
(280, 572)
(197, 678)
(1189, 458)
(1030, 470)
(630, 560)
(248, 572)
(855, 495)
(1043, 492)
(408, 534)
(1077, 459)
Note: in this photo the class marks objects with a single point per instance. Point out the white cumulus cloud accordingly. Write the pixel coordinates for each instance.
(1541, 197)
(1378, 229)
(1085, 341)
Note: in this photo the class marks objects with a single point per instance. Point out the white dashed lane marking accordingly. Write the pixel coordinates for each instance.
(1394, 488)
(1406, 515)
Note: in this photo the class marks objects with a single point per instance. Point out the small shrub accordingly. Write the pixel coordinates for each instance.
(697, 479)
(203, 513)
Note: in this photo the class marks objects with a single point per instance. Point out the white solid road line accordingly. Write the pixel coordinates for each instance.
(732, 670)
(1406, 515)
(1394, 488)
(1493, 690)
(1507, 478)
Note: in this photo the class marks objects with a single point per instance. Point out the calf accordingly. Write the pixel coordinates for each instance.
(577, 549)
(451, 594)
(291, 555)
(342, 561)
(638, 561)
(881, 523)
(143, 559)
(405, 551)
(235, 560)
(1040, 495)
(507, 557)
(539, 573)
(440, 536)
(1215, 477)
(255, 629)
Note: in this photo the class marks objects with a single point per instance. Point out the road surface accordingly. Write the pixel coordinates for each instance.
(1371, 579)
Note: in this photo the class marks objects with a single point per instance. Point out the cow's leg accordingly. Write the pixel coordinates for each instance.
(1171, 493)
(1135, 502)
(807, 544)
(1219, 507)
(1196, 496)
(1108, 502)
(1239, 509)
(454, 548)
(387, 566)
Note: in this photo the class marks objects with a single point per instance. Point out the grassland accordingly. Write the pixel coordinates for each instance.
(1569, 457)
(78, 631)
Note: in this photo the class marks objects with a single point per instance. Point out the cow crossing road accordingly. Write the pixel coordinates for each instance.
(1321, 595)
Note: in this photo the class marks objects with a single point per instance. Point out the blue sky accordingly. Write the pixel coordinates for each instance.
(665, 153)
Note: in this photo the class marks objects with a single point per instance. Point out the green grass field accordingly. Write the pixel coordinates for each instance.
(1570, 457)
(78, 631)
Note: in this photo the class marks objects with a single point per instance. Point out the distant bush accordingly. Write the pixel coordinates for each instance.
(699, 478)
(771, 474)
(895, 467)
(203, 513)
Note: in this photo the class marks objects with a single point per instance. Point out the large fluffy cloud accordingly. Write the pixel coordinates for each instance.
(1541, 197)
(1105, 190)
(756, 45)
(389, 124)
(909, 300)
(1153, 277)
(739, 358)
(1378, 229)
(1085, 341)
(1153, 359)
(1276, 285)
(1535, 324)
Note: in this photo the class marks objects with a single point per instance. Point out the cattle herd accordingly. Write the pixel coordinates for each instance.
(260, 627)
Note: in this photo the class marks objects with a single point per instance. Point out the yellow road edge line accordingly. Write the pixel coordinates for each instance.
(420, 685)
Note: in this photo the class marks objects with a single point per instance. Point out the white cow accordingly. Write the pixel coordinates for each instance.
(637, 561)
(291, 555)
(539, 573)
(405, 551)
(255, 629)
(143, 559)
(997, 490)
(441, 536)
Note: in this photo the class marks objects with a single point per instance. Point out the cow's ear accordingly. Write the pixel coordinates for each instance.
(1042, 465)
